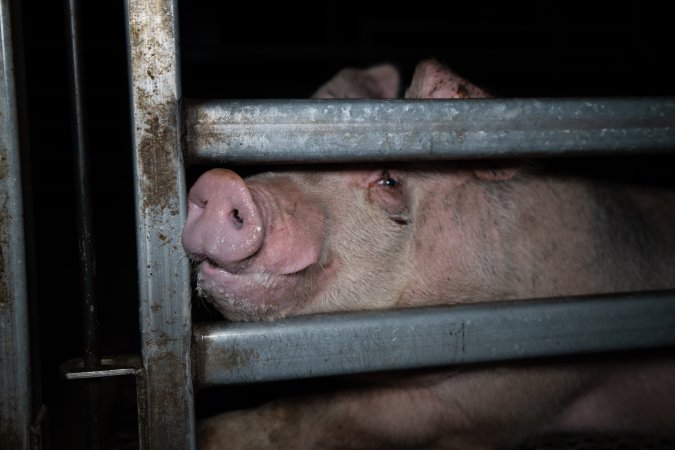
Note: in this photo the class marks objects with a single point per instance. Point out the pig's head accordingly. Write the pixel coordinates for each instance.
(347, 238)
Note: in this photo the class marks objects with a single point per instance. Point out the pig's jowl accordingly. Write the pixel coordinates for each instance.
(301, 241)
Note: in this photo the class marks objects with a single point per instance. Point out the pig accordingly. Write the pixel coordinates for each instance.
(367, 237)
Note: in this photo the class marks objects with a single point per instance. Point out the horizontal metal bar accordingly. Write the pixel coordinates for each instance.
(284, 131)
(111, 366)
(228, 353)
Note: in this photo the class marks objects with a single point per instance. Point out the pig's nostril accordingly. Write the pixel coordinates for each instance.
(237, 220)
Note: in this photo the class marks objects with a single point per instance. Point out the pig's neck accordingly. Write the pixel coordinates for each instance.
(457, 251)
(537, 236)
(550, 242)
(575, 237)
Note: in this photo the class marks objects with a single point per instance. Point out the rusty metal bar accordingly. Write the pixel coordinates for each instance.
(283, 131)
(15, 369)
(165, 394)
(337, 344)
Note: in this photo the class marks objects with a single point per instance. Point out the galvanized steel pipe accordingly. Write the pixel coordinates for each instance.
(336, 344)
(15, 349)
(294, 131)
(165, 400)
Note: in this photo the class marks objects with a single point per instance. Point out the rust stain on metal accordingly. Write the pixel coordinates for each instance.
(231, 358)
(159, 340)
(3, 162)
(197, 123)
(5, 298)
(5, 219)
(153, 62)
(156, 166)
(164, 392)
(199, 139)
(166, 404)
(172, 319)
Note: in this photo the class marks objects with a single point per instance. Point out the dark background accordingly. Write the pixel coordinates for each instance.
(252, 50)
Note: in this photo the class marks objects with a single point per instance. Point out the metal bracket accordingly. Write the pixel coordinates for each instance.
(110, 366)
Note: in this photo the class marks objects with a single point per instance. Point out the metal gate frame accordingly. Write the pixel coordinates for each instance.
(176, 358)
(299, 131)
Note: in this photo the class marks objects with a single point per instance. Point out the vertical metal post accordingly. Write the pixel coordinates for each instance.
(85, 234)
(164, 273)
(15, 375)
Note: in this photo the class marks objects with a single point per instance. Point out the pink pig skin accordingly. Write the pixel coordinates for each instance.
(374, 237)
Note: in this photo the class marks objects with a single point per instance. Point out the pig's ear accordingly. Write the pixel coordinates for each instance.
(433, 80)
(376, 82)
(496, 170)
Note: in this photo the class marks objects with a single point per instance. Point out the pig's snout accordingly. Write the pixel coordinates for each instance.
(224, 225)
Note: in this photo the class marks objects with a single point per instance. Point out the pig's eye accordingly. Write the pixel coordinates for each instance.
(387, 180)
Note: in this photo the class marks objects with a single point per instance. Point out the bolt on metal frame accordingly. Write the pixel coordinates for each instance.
(304, 131)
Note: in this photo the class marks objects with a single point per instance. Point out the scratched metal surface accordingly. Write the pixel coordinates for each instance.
(395, 130)
(334, 344)
(165, 393)
(15, 401)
